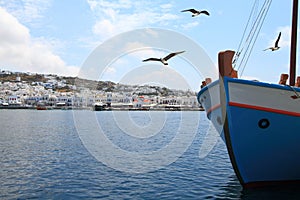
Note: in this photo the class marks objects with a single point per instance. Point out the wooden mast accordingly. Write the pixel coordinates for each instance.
(294, 43)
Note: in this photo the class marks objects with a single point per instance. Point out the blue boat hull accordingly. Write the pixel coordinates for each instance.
(262, 134)
(264, 154)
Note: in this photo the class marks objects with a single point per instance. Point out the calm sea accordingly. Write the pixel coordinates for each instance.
(58, 154)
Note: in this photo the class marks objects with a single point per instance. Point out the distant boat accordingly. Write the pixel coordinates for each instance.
(41, 107)
(259, 122)
(99, 107)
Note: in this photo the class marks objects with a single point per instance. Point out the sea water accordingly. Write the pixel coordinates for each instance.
(59, 154)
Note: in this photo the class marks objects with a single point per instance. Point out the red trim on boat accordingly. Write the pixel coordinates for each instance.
(296, 114)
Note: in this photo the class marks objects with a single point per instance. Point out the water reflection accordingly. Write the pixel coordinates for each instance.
(231, 190)
(274, 192)
(234, 190)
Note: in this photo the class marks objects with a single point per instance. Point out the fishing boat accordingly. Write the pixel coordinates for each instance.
(41, 105)
(98, 106)
(41, 108)
(259, 122)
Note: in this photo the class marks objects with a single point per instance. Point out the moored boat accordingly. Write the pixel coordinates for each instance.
(258, 121)
(41, 107)
(99, 106)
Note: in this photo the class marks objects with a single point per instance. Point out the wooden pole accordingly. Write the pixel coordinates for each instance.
(294, 43)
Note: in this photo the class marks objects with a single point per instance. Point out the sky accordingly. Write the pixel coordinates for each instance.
(108, 39)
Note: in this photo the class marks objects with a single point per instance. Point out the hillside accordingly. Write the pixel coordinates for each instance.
(106, 86)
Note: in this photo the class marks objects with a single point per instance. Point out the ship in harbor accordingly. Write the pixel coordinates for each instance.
(259, 122)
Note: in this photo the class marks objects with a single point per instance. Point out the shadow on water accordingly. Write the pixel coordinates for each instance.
(274, 192)
(234, 190)
(231, 190)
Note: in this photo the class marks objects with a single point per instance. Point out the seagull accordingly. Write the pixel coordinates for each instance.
(276, 47)
(164, 60)
(196, 12)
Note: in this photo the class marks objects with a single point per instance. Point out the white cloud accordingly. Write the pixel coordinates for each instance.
(97, 5)
(115, 17)
(27, 11)
(285, 40)
(19, 51)
(166, 6)
(190, 25)
(133, 46)
(110, 70)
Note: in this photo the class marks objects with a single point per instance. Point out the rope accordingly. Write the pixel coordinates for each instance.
(297, 96)
(253, 34)
(238, 52)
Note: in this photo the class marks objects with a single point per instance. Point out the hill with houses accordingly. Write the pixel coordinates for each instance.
(32, 88)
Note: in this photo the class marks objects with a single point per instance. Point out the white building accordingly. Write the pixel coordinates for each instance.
(14, 100)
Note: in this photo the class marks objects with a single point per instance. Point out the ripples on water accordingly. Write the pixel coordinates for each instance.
(43, 157)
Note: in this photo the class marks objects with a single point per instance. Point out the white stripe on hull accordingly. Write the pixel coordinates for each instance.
(267, 97)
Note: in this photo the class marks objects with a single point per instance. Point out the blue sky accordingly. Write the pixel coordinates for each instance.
(54, 36)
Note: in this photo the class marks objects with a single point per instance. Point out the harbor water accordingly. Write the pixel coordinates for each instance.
(47, 155)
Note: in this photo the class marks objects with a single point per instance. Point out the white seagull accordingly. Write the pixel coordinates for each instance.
(165, 59)
(276, 47)
(196, 12)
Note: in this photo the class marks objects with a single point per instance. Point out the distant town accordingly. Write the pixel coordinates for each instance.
(41, 91)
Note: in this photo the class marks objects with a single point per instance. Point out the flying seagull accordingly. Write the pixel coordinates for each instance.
(165, 59)
(276, 47)
(196, 12)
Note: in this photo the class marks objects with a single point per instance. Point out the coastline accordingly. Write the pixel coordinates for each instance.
(11, 107)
